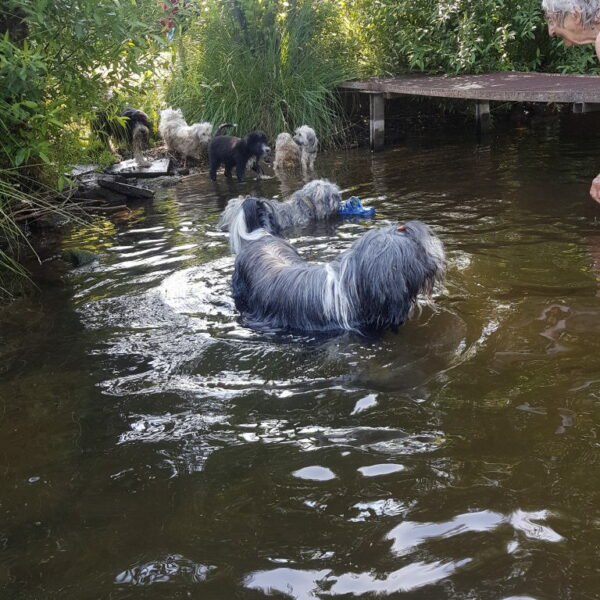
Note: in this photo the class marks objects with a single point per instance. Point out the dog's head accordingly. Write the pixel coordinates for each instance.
(389, 267)
(255, 219)
(305, 137)
(259, 214)
(202, 132)
(257, 143)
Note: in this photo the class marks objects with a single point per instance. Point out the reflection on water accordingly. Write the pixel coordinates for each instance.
(152, 447)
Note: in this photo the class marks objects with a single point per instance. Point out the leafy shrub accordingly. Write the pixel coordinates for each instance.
(57, 61)
(463, 36)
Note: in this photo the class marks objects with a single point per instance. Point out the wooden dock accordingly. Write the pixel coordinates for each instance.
(583, 91)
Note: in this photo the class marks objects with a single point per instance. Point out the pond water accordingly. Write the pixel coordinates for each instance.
(153, 447)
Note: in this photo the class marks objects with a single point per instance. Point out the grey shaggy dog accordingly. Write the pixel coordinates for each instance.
(370, 287)
(306, 138)
(317, 200)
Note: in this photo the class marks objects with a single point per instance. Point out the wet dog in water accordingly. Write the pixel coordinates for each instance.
(306, 138)
(371, 287)
(288, 156)
(317, 200)
(233, 152)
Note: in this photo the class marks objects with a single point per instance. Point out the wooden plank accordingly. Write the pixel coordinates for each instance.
(131, 191)
(512, 86)
(129, 168)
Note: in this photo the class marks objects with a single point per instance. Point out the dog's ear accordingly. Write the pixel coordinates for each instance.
(259, 214)
(253, 213)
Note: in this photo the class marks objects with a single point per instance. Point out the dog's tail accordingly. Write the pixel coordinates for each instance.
(251, 219)
(222, 128)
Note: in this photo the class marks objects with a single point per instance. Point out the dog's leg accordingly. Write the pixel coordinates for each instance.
(257, 169)
(213, 166)
(304, 161)
(240, 171)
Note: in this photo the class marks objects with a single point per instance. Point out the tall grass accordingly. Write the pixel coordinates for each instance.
(273, 66)
(17, 205)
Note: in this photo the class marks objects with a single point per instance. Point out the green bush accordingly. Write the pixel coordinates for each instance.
(57, 61)
(272, 65)
(463, 36)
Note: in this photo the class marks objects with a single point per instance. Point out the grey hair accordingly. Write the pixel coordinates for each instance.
(589, 9)
(317, 200)
(372, 286)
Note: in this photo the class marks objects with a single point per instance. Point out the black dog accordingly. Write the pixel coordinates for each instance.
(237, 152)
(134, 133)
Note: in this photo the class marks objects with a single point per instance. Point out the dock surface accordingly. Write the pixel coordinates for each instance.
(511, 86)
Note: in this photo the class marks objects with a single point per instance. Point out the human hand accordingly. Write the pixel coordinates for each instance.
(595, 189)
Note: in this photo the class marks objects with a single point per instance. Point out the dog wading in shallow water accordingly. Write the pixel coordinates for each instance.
(130, 128)
(288, 156)
(317, 200)
(371, 287)
(233, 152)
(306, 138)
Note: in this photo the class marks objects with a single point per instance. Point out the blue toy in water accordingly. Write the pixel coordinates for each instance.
(353, 208)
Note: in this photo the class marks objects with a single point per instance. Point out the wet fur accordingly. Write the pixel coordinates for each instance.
(370, 287)
(317, 200)
(288, 156)
(307, 140)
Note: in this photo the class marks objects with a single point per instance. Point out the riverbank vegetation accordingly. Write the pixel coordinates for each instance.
(271, 64)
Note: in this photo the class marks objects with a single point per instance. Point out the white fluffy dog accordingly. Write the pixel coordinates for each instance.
(287, 155)
(187, 140)
(306, 138)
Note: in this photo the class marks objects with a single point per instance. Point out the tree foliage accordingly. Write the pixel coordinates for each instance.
(58, 58)
(462, 36)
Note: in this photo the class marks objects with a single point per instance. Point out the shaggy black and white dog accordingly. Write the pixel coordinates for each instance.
(231, 152)
(130, 127)
(317, 200)
(370, 287)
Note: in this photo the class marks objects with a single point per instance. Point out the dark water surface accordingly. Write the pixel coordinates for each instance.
(152, 447)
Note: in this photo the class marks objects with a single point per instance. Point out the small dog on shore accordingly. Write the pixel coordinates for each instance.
(130, 127)
(234, 152)
(372, 286)
(288, 156)
(317, 200)
(306, 138)
(187, 140)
